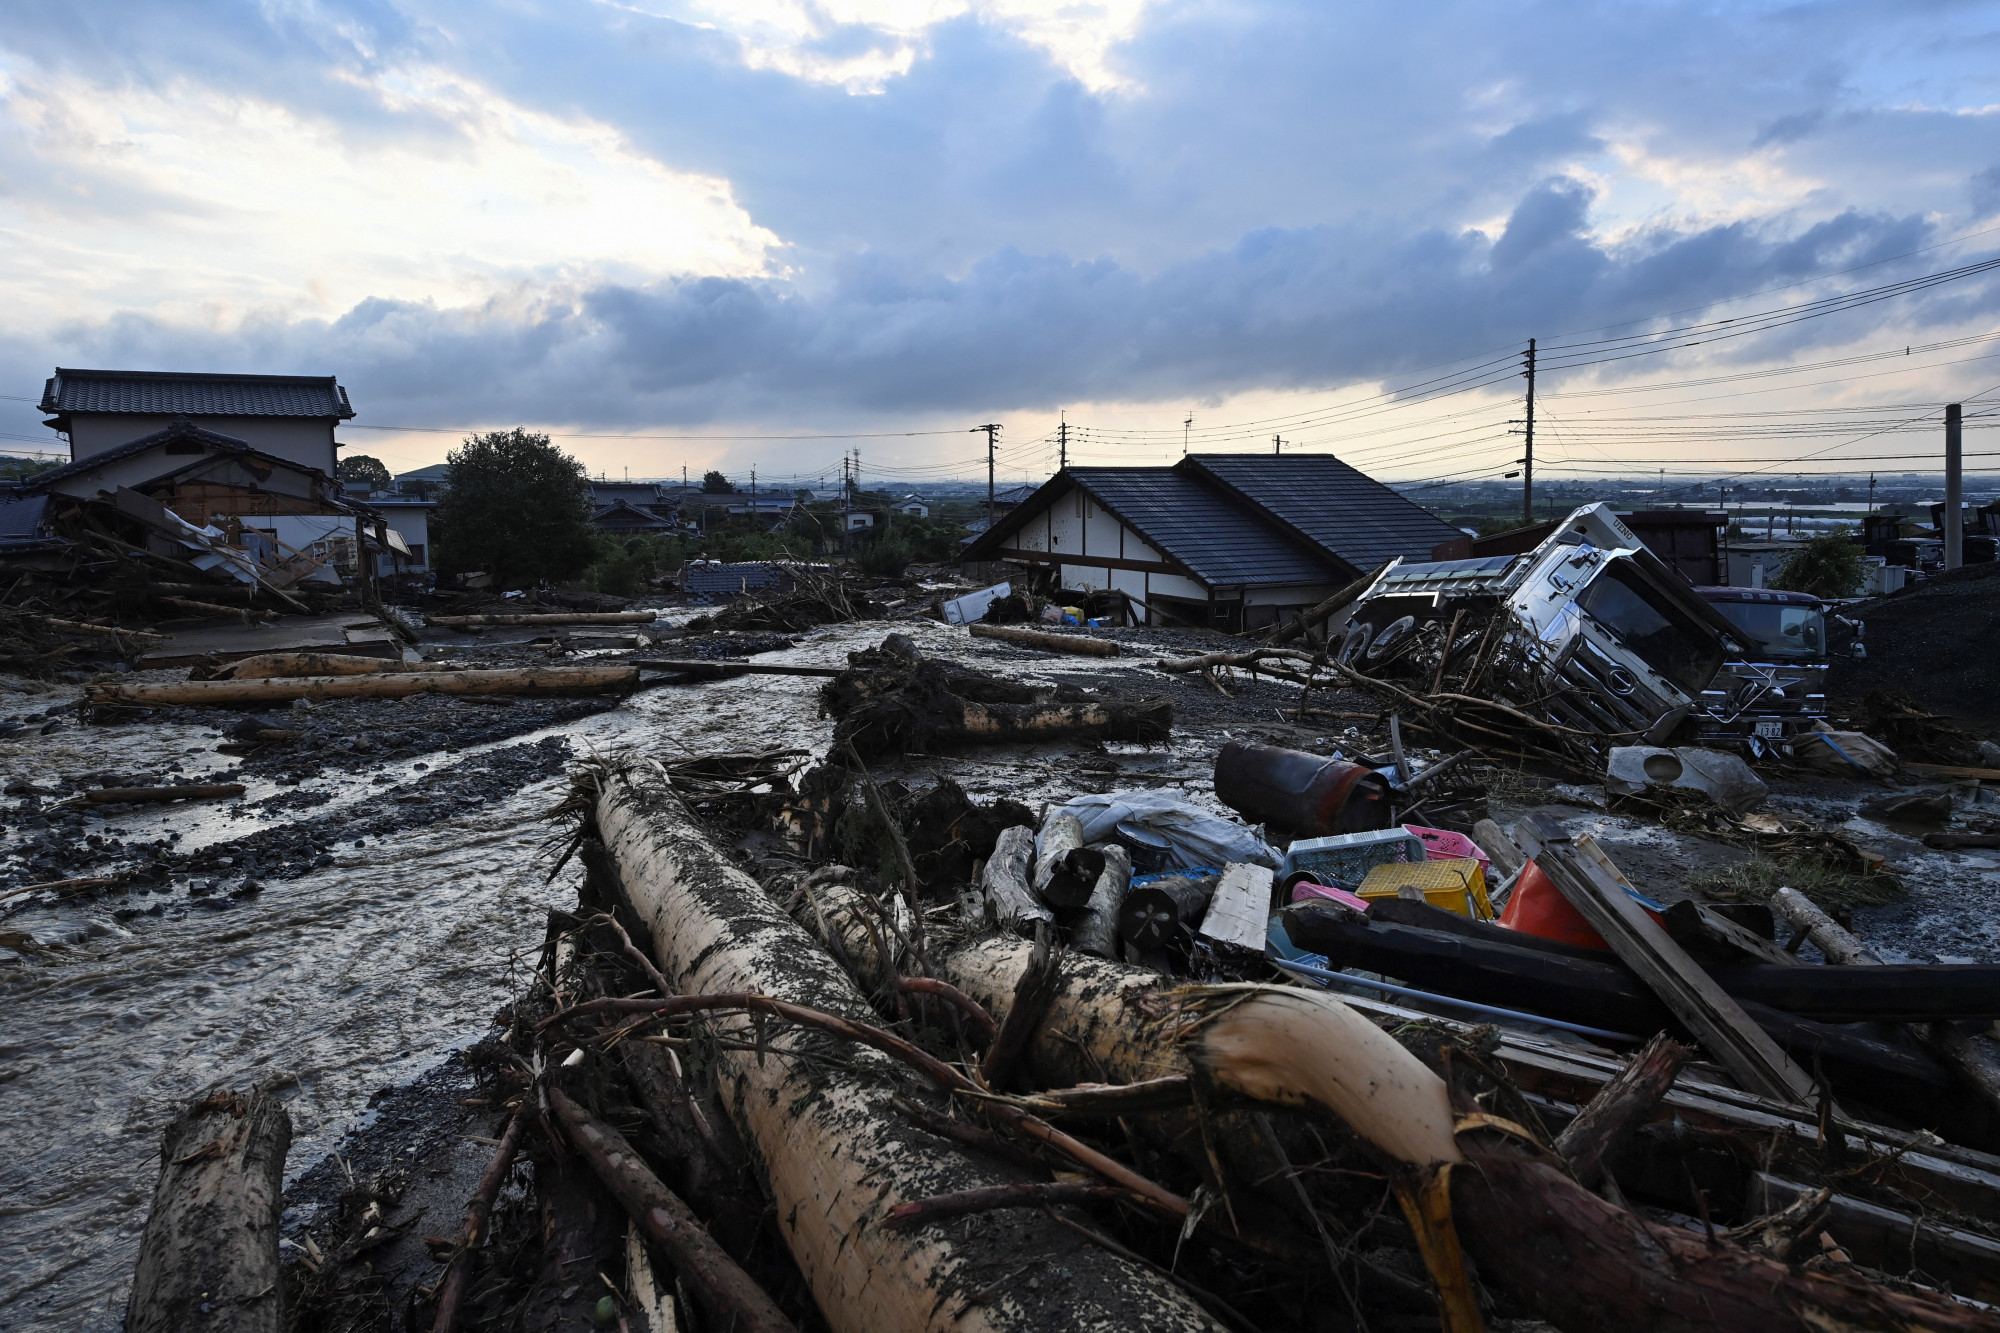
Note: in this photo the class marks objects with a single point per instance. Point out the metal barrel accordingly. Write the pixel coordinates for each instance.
(1305, 795)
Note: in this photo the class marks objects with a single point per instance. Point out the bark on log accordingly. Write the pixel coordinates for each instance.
(86, 627)
(566, 680)
(1840, 947)
(727, 1295)
(146, 795)
(209, 1257)
(266, 666)
(1061, 834)
(1010, 903)
(1096, 929)
(1149, 721)
(836, 1160)
(1500, 848)
(1075, 644)
(551, 618)
(1621, 1107)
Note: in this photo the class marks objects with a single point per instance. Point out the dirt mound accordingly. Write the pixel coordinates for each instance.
(1936, 643)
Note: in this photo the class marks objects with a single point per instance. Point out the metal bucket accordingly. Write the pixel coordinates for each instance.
(1305, 795)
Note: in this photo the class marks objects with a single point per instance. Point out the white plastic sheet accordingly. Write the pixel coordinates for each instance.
(1162, 822)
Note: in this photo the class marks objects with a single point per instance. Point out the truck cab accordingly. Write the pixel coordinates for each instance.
(1777, 688)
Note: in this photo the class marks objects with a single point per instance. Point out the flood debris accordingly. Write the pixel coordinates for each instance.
(607, 678)
(894, 700)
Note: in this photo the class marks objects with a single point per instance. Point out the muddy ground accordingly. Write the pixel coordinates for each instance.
(365, 910)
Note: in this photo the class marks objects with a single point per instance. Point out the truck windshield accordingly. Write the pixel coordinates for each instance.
(1777, 631)
(1663, 637)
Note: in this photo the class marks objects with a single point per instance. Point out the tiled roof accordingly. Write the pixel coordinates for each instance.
(174, 392)
(21, 516)
(1344, 512)
(1194, 524)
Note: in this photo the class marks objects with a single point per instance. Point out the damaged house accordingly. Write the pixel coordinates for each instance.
(1235, 541)
(233, 474)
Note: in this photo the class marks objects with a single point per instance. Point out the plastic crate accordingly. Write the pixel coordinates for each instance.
(1457, 885)
(1349, 857)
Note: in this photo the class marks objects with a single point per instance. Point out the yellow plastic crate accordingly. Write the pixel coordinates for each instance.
(1455, 885)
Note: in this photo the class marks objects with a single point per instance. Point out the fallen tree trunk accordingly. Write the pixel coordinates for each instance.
(267, 666)
(1149, 721)
(549, 618)
(590, 679)
(835, 1160)
(88, 628)
(209, 1257)
(1010, 903)
(1075, 644)
(728, 1296)
(1581, 1262)
(213, 609)
(137, 795)
(1331, 606)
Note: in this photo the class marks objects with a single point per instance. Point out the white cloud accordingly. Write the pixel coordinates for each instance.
(863, 44)
(194, 205)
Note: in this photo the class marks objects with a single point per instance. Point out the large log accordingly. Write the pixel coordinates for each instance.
(1095, 930)
(835, 1157)
(606, 678)
(266, 666)
(546, 618)
(209, 1258)
(1075, 644)
(1003, 883)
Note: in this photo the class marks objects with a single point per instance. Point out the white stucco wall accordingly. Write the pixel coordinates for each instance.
(307, 440)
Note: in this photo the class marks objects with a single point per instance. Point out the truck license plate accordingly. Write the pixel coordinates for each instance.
(1775, 729)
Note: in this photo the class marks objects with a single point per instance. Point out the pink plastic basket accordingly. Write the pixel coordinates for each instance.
(1444, 845)
(1305, 889)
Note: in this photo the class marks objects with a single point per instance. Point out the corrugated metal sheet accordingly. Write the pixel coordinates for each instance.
(750, 575)
(1346, 512)
(186, 394)
(1224, 546)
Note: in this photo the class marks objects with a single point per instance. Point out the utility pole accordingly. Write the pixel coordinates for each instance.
(1954, 486)
(1871, 492)
(1277, 444)
(992, 429)
(1528, 456)
(1062, 444)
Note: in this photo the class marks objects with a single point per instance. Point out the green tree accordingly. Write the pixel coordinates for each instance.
(714, 483)
(360, 467)
(518, 508)
(1826, 566)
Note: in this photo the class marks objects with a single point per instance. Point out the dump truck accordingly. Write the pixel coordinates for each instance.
(1590, 630)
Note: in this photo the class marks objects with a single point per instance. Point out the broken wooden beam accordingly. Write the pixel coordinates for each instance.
(545, 618)
(1586, 877)
(1076, 645)
(208, 1260)
(728, 1296)
(86, 627)
(606, 678)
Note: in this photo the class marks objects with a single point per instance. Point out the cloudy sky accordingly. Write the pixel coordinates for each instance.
(632, 222)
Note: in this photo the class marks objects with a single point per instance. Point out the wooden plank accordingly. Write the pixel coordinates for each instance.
(1719, 929)
(1240, 912)
(1954, 771)
(1593, 885)
(1891, 1241)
